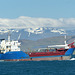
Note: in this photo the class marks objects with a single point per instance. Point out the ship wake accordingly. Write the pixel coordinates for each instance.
(72, 59)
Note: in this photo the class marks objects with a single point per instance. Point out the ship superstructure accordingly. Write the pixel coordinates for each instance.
(6, 46)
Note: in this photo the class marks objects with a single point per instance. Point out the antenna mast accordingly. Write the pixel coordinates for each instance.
(19, 36)
(8, 36)
(65, 40)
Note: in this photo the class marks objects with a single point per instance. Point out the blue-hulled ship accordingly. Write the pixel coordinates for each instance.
(10, 51)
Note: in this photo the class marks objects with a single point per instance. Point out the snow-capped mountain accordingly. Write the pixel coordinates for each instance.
(34, 33)
(31, 22)
(36, 28)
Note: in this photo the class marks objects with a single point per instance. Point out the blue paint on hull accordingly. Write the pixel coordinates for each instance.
(69, 51)
(0, 56)
(14, 55)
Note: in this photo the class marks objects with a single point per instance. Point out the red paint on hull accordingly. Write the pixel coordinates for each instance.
(54, 53)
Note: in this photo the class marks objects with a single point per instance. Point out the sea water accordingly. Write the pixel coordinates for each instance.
(66, 67)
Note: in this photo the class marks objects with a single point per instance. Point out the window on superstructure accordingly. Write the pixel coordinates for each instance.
(8, 46)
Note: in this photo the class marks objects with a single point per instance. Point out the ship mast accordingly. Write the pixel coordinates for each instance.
(19, 36)
(8, 36)
(65, 40)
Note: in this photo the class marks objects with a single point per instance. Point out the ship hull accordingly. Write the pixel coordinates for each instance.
(49, 58)
(21, 56)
